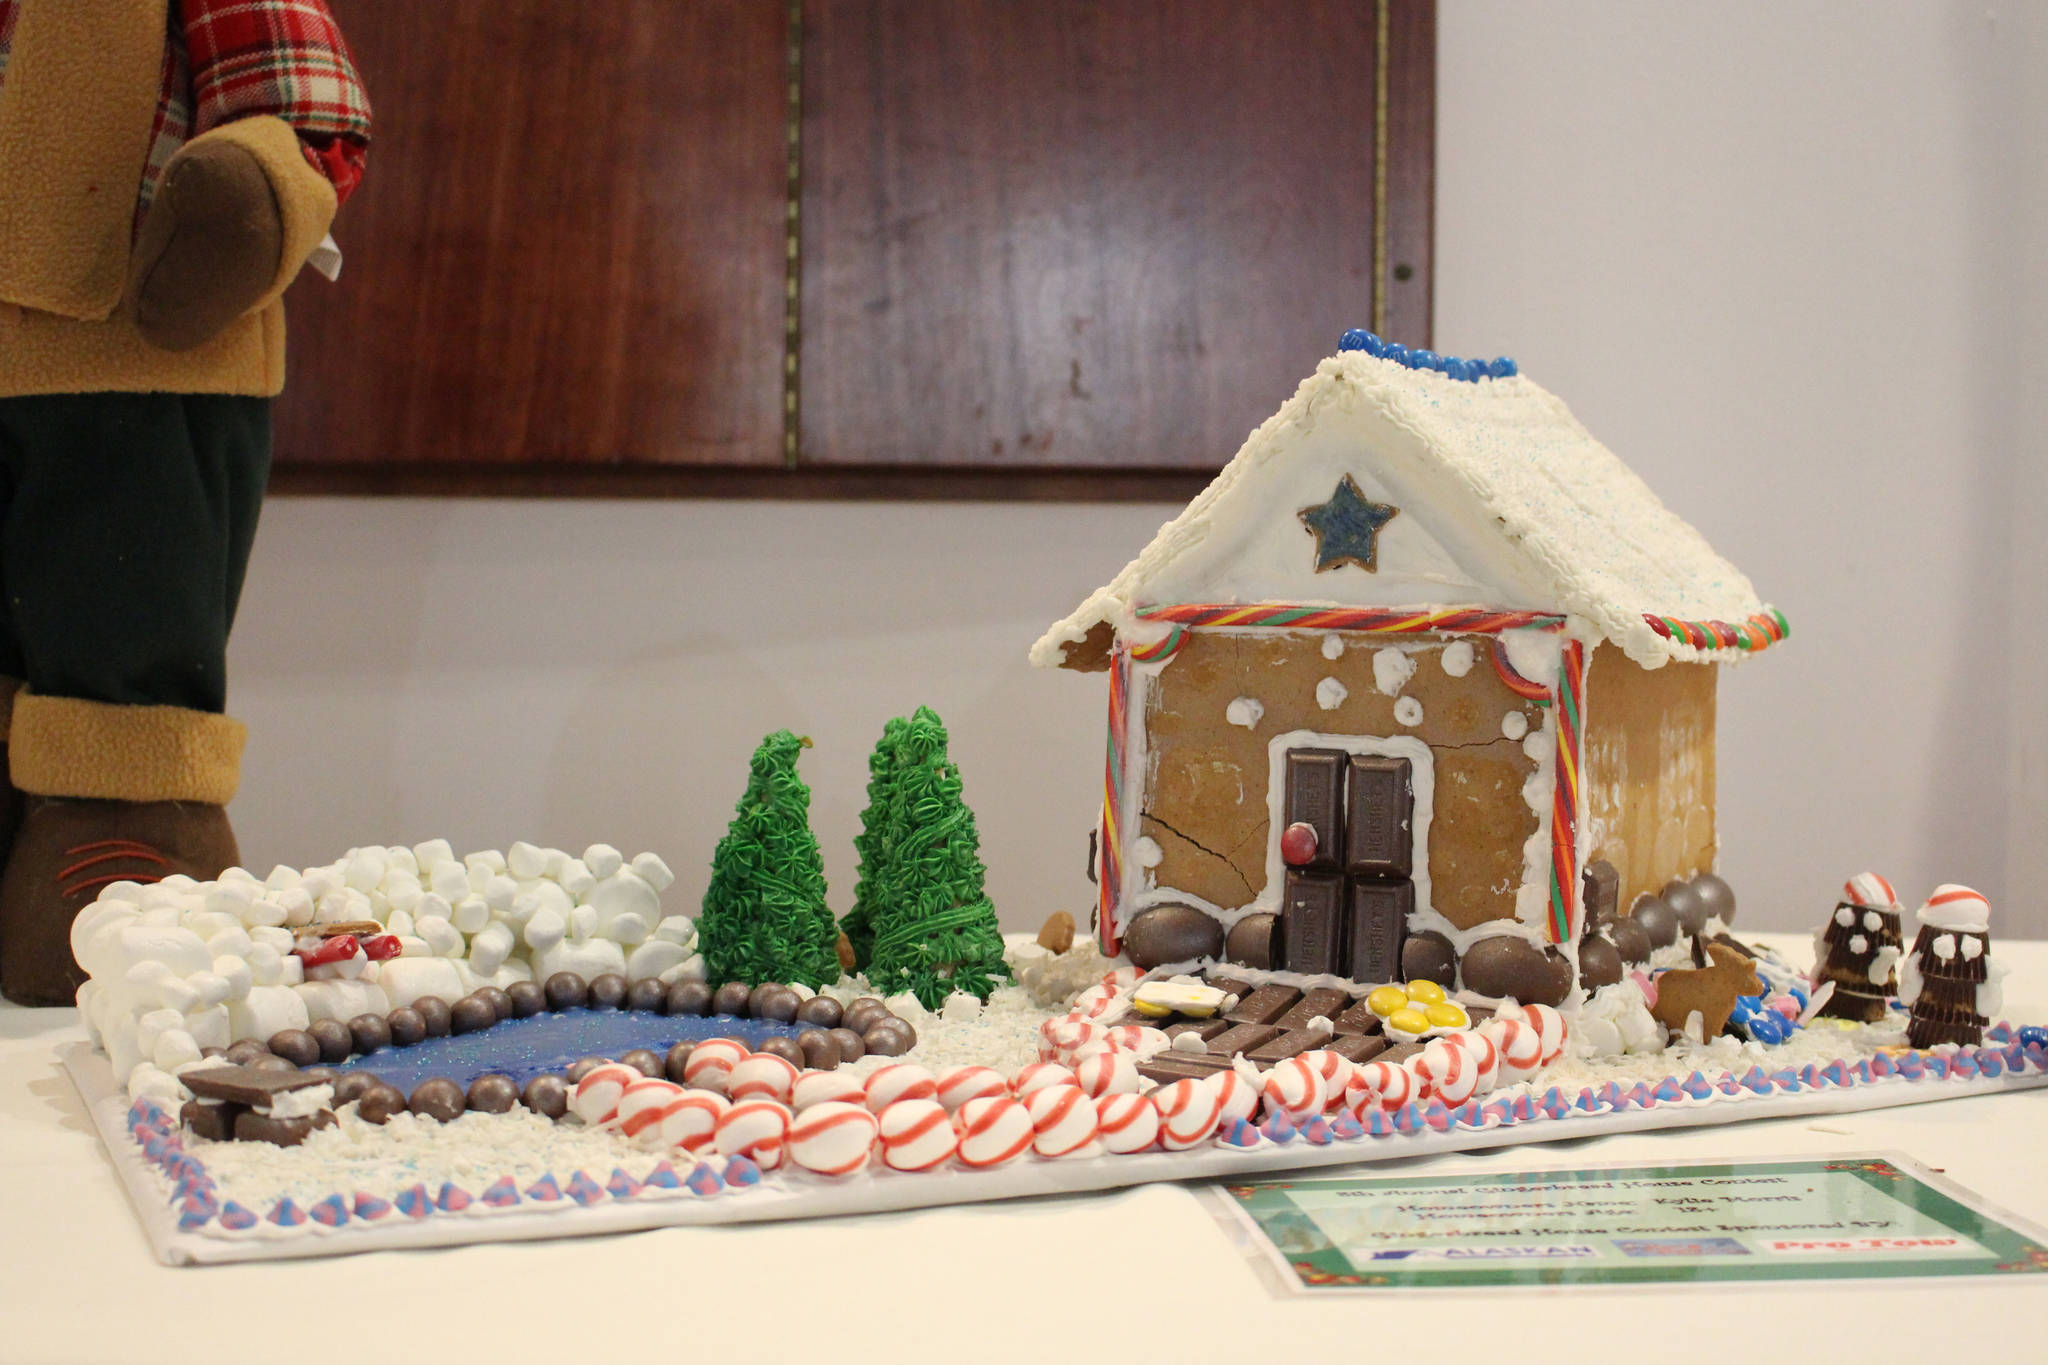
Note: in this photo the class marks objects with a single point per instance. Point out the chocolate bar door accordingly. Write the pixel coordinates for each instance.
(1315, 798)
(1312, 923)
(1379, 864)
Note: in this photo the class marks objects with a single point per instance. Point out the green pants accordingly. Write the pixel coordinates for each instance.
(125, 526)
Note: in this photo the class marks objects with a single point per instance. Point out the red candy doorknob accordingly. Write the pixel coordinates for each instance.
(1298, 844)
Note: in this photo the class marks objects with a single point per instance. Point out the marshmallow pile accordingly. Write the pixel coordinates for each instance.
(182, 965)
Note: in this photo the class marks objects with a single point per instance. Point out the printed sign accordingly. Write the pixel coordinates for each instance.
(1861, 1217)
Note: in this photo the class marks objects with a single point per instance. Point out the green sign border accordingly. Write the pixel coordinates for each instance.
(1262, 1204)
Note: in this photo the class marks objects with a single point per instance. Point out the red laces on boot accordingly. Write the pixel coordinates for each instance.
(104, 852)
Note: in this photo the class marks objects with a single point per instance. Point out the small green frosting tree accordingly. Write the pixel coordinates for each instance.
(934, 931)
(858, 926)
(764, 916)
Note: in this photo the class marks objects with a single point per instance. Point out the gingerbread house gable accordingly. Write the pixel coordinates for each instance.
(1498, 495)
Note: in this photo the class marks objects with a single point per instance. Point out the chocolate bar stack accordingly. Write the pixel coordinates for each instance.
(254, 1105)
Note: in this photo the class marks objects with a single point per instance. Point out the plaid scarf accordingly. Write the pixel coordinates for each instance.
(230, 59)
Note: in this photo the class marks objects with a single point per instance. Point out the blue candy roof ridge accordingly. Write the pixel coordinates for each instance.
(1450, 366)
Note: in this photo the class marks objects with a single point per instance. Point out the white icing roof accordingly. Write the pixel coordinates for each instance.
(1505, 501)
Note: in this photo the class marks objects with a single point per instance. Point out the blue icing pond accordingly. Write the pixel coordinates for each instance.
(545, 1043)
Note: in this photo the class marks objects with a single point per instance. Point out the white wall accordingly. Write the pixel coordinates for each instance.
(1787, 264)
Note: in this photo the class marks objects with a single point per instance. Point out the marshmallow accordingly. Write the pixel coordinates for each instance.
(489, 949)
(588, 958)
(993, 1132)
(363, 868)
(1126, 1123)
(441, 936)
(763, 1076)
(755, 1129)
(498, 894)
(827, 1087)
(431, 852)
(654, 957)
(266, 1011)
(916, 1135)
(1063, 1120)
(602, 860)
(526, 862)
(545, 929)
(448, 879)
(651, 869)
(471, 913)
(833, 1138)
(575, 877)
(898, 1082)
(627, 929)
(344, 1000)
(407, 979)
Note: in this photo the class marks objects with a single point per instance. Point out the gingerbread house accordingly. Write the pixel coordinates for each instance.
(1422, 652)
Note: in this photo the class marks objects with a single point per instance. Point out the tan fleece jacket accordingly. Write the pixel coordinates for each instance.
(75, 120)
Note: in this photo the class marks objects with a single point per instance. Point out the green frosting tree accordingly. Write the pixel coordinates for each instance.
(764, 915)
(858, 926)
(933, 929)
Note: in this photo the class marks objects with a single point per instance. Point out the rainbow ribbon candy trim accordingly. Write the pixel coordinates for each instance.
(1759, 632)
(1379, 620)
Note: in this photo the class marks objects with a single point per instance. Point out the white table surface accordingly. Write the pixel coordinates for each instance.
(1141, 1275)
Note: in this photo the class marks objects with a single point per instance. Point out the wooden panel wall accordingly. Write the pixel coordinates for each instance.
(569, 246)
(1064, 248)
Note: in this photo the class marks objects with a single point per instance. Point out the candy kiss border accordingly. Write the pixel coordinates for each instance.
(785, 1196)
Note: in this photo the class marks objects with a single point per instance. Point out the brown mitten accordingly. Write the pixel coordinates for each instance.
(210, 247)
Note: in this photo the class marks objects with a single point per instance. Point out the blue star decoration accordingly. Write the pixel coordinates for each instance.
(1347, 528)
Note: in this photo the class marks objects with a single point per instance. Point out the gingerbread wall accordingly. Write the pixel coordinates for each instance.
(1206, 779)
(1649, 766)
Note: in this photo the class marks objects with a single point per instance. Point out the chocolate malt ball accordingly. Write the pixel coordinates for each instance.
(1658, 921)
(440, 1099)
(247, 1051)
(1630, 939)
(405, 1025)
(820, 1052)
(864, 1013)
(646, 994)
(583, 1066)
(890, 1038)
(1599, 963)
(678, 1058)
(773, 1000)
(335, 1041)
(689, 997)
(500, 1002)
(821, 1010)
(1250, 941)
(1428, 956)
(731, 998)
(471, 1014)
(643, 1061)
(295, 1045)
(608, 992)
(784, 1048)
(851, 1048)
(566, 991)
(378, 1103)
(273, 1062)
(434, 1013)
(493, 1094)
(527, 998)
(1688, 905)
(547, 1096)
(353, 1086)
(1718, 896)
(369, 1032)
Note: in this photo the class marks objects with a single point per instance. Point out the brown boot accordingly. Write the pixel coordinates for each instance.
(66, 851)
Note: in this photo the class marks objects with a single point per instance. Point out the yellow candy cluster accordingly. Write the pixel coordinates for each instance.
(1416, 1008)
